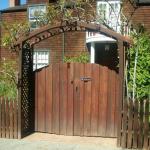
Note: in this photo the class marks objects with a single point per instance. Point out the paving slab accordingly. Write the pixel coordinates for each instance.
(42, 141)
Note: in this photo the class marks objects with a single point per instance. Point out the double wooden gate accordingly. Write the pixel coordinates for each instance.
(77, 99)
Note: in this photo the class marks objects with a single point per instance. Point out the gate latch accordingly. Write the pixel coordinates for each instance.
(85, 79)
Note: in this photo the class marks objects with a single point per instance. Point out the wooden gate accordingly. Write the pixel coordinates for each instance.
(77, 99)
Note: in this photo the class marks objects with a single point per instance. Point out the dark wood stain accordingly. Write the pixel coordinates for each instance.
(76, 99)
(134, 129)
(8, 118)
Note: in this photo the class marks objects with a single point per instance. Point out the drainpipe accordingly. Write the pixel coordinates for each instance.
(92, 53)
(63, 46)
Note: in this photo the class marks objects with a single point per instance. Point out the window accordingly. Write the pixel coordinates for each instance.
(143, 2)
(40, 59)
(109, 13)
(102, 10)
(35, 12)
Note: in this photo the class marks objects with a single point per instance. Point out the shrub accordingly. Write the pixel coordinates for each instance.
(8, 79)
(139, 74)
(82, 58)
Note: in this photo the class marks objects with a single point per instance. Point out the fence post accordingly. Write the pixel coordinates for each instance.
(146, 123)
(141, 127)
(124, 125)
(130, 124)
(135, 125)
(0, 117)
(7, 118)
(19, 91)
(3, 118)
(121, 96)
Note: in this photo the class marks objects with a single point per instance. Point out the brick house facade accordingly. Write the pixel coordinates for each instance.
(137, 14)
(9, 16)
(70, 43)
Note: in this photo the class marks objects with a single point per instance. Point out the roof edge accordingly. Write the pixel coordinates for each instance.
(14, 9)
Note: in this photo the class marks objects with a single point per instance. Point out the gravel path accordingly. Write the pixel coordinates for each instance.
(39, 141)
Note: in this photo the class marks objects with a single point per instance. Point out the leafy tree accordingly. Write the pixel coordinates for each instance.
(13, 32)
(139, 69)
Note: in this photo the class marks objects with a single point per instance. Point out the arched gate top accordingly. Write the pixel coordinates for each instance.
(47, 31)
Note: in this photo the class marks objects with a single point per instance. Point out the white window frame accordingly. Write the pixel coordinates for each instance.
(32, 18)
(108, 20)
(43, 61)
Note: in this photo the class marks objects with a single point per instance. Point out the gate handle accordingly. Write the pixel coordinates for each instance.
(85, 79)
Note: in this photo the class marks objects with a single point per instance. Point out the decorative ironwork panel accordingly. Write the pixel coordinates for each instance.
(27, 92)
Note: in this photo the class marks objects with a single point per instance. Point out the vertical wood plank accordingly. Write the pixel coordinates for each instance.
(119, 113)
(124, 125)
(36, 99)
(61, 90)
(0, 117)
(146, 124)
(140, 133)
(41, 100)
(103, 96)
(76, 99)
(130, 124)
(15, 119)
(114, 103)
(48, 98)
(7, 118)
(3, 118)
(109, 115)
(121, 51)
(117, 109)
(82, 100)
(56, 97)
(87, 104)
(95, 98)
(70, 107)
(135, 125)
(148, 142)
(110, 126)
(11, 120)
(63, 99)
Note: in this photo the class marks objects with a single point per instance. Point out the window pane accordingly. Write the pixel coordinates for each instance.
(35, 12)
(41, 59)
(109, 13)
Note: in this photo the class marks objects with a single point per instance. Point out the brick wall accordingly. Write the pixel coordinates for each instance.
(74, 42)
(140, 15)
(37, 1)
(10, 17)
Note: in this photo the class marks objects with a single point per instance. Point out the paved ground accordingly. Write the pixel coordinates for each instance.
(40, 141)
